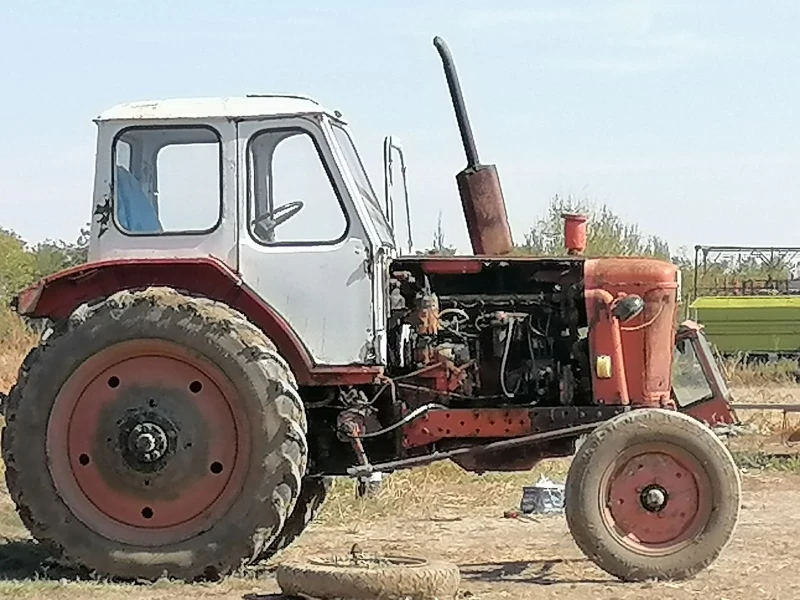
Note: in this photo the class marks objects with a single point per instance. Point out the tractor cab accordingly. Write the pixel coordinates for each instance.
(270, 186)
(193, 176)
(698, 386)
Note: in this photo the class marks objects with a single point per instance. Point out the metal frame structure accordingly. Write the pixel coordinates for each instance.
(771, 257)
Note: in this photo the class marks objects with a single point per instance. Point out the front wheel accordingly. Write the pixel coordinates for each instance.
(652, 494)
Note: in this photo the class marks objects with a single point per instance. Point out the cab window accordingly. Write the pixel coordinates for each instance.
(167, 180)
(293, 199)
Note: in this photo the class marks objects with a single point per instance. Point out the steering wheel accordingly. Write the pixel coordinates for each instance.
(277, 216)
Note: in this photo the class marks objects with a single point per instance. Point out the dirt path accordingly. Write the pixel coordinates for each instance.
(514, 559)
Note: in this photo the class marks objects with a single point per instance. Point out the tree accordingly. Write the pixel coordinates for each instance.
(17, 265)
(21, 265)
(439, 245)
(607, 233)
(55, 255)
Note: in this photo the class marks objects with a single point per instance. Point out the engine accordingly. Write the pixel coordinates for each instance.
(509, 333)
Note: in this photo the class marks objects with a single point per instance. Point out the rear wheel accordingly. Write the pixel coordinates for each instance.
(313, 492)
(152, 433)
(652, 494)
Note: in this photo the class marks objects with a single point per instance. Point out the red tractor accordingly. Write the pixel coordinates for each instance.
(225, 353)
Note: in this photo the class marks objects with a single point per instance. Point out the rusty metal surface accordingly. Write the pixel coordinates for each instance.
(713, 412)
(485, 210)
(464, 423)
(647, 340)
(605, 340)
(478, 185)
(574, 233)
(415, 461)
(674, 516)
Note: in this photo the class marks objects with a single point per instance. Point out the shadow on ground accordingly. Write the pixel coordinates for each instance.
(25, 559)
(536, 572)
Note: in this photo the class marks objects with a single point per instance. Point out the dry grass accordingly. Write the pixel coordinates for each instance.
(15, 341)
(739, 373)
(432, 492)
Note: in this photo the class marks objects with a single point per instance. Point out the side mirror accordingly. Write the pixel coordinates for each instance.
(628, 308)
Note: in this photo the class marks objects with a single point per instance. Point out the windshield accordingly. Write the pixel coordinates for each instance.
(363, 184)
(688, 379)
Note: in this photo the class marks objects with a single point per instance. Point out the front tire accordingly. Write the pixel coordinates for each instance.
(153, 433)
(652, 494)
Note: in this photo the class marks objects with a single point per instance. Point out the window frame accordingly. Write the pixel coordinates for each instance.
(173, 127)
(251, 199)
(386, 233)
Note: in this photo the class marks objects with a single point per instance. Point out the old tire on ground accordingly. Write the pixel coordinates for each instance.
(152, 433)
(390, 578)
(312, 496)
(652, 494)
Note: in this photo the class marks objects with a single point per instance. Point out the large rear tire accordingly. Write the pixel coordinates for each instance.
(313, 492)
(652, 494)
(153, 433)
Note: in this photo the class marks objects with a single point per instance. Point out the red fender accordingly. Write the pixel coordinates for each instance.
(56, 296)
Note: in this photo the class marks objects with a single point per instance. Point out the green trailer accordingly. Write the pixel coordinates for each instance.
(748, 300)
(765, 327)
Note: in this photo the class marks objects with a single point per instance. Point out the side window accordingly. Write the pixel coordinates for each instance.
(167, 180)
(689, 383)
(292, 198)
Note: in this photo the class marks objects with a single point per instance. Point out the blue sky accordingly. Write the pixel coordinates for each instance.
(682, 116)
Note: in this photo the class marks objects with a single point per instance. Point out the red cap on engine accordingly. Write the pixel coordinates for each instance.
(574, 233)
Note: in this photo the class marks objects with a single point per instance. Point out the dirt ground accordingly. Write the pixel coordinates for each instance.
(499, 558)
(506, 558)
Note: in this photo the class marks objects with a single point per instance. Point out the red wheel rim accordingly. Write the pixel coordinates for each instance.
(148, 443)
(656, 498)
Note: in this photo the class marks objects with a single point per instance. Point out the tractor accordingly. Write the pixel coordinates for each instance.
(248, 327)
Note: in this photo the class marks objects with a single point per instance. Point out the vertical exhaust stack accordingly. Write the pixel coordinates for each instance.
(478, 185)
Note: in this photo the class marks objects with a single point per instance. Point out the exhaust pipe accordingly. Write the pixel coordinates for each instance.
(478, 185)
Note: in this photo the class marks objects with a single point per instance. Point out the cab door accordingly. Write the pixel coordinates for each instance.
(303, 248)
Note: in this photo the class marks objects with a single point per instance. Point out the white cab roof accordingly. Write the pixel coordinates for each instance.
(256, 105)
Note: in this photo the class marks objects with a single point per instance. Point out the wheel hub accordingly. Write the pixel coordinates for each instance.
(147, 442)
(147, 437)
(654, 498)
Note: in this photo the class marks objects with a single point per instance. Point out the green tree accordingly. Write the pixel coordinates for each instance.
(607, 233)
(54, 255)
(17, 265)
